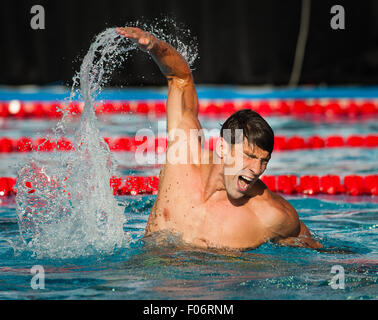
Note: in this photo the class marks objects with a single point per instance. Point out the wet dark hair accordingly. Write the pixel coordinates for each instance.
(255, 129)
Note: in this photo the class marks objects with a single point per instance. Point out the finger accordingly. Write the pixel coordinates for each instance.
(144, 41)
(123, 30)
(120, 30)
(128, 29)
(127, 34)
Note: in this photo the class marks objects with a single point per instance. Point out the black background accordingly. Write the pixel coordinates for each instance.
(244, 42)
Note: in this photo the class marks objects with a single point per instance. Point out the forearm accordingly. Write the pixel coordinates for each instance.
(171, 63)
(303, 239)
(301, 242)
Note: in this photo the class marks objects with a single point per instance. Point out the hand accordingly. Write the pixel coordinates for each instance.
(144, 39)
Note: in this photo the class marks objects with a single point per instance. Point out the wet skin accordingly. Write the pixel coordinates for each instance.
(202, 202)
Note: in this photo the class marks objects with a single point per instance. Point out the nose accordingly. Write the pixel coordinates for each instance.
(256, 168)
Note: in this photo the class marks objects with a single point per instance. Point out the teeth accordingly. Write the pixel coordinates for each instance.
(246, 178)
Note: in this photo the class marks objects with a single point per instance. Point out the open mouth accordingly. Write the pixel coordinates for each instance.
(244, 182)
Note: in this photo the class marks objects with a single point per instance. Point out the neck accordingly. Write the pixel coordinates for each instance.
(214, 180)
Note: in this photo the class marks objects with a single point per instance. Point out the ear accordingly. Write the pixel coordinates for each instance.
(221, 148)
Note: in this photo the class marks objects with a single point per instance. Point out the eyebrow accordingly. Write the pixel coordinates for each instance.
(252, 155)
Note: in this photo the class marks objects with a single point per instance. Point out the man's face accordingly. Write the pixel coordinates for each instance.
(254, 161)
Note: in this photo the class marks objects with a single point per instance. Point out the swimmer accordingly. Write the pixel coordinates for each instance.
(202, 201)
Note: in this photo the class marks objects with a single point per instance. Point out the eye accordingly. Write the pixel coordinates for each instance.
(251, 156)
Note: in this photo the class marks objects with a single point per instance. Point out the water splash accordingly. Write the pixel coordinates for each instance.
(178, 35)
(64, 203)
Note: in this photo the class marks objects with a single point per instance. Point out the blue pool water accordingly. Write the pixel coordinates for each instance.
(152, 269)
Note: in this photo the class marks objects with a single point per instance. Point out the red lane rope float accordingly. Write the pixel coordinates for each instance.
(329, 108)
(329, 184)
(26, 144)
(288, 184)
(159, 144)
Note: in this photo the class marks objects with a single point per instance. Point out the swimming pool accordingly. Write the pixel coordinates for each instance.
(346, 225)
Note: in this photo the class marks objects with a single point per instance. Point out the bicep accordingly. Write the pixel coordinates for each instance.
(288, 229)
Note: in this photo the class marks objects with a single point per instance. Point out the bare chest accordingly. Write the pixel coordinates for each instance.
(180, 208)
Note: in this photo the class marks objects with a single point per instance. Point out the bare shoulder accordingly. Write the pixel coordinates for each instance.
(274, 212)
(281, 220)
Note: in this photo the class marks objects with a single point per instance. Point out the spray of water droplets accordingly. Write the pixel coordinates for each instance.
(169, 30)
(64, 203)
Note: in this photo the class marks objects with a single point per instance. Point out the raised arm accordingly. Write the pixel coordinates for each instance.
(182, 102)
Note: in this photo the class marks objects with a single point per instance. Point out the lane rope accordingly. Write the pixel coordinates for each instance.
(159, 144)
(288, 184)
(323, 108)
